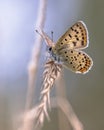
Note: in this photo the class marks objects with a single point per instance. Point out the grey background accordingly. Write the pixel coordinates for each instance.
(17, 35)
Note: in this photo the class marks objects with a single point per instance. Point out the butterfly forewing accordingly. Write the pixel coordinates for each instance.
(75, 37)
(77, 61)
(67, 49)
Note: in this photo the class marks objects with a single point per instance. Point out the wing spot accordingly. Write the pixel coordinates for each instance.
(74, 43)
(85, 57)
(83, 38)
(86, 65)
(70, 36)
(71, 51)
(89, 61)
(77, 25)
(83, 60)
(65, 39)
(77, 32)
(61, 43)
(75, 57)
(81, 68)
(73, 66)
(71, 57)
(82, 34)
(82, 43)
(65, 52)
(80, 65)
(77, 39)
(72, 29)
(86, 61)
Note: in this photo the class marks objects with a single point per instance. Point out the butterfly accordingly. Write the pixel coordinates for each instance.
(68, 49)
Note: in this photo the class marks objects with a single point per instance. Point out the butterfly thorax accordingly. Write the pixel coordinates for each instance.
(53, 55)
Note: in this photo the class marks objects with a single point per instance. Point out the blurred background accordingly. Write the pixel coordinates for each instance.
(17, 36)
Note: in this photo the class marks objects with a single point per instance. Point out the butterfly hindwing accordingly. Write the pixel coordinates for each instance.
(77, 61)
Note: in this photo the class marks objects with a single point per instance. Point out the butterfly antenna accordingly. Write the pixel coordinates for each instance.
(52, 35)
(39, 33)
(49, 42)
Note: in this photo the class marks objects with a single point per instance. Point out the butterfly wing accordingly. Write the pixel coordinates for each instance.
(77, 61)
(75, 37)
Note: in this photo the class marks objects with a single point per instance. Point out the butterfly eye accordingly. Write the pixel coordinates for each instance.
(50, 48)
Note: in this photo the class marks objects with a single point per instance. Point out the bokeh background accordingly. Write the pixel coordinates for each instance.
(17, 36)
